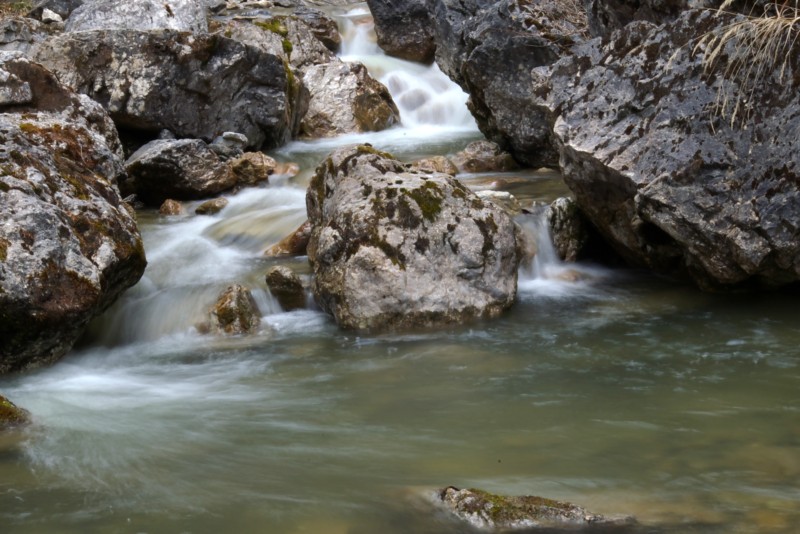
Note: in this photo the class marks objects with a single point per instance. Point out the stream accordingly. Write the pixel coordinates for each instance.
(618, 390)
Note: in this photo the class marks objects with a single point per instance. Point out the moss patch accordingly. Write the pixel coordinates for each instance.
(11, 415)
(275, 25)
(429, 198)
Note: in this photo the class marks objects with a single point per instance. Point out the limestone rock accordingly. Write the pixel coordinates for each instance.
(69, 246)
(569, 228)
(49, 17)
(346, 99)
(669, 182)
(294, 244)
(235, 312)
(322, 26)
(20, 34)
(502, 199)
(171, 207)
(181, 169)
(11, 416)
(180, 15)
(483, 156)
(487, 511)
(253, 168)
(492, 49)
(286, 287)
(63, 8)
(211, 207)
(404, 29)
(193, 85)
(395, 249)
(229, 145)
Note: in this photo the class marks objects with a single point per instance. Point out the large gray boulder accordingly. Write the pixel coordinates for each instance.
(396, 249)
(666, 176)
(492, 50)
(68, 245)
(181, 169)
(404, 29)
(346, 99)
(20, 34)
(193, 85)
(180, 15)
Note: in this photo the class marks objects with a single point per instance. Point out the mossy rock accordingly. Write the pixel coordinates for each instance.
(12, 416)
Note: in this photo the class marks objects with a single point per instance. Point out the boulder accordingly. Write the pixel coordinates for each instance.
(322, 26)
(211, 207)
(229, 145)
(62, 8)
(20, 34)
(346, 99)
(395, 249)
(487, 511)
(171, 207)
(286, 287)
(69, 246)
(404, 29)
(235, 312)
(181, 169)
(492, 49)
(179, 15)
(294, 244)
(253, 168)
(193, 85)
(483, 156)
(502, 199)
(11, 416)
(670, 179)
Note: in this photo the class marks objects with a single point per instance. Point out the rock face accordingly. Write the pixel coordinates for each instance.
(235, 312)
(68, 245)
(180, 15)
(404, 29)
(20, 34)
(569, 229)
(483, 156)
(666, 179)
(491, 49)
(487, 511)
(181, 169)
(193, 85)
(346, 99)
(396, 249)
(286, 287)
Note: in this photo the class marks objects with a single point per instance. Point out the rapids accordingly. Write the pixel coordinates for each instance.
(614, 389)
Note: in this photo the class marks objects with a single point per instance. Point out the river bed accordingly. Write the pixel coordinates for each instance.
(615, 389)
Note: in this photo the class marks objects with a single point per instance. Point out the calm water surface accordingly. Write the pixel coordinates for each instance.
(616, 390)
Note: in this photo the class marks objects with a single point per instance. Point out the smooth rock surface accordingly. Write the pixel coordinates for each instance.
(395, 249)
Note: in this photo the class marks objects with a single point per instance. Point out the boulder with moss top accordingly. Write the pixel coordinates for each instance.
(488, 511)
(235, 312)
(69, 245)
(12, 416)
(396, 249)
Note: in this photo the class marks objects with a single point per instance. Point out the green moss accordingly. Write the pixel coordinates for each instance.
(28, 127)
(369, 149)
(429, 198)
(287, 46)
(11, 415)
(274, 25)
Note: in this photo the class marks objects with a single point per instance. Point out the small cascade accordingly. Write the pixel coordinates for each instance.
(424, 95)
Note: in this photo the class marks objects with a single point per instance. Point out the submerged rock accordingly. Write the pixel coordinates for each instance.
(434, 164)
(211, 207)
(253, 168)
(69, 246)
(11, 416)
(483, 156)
(294, 244)
(668, 178)
(346, 99)
(181, 169)
(286, 287)
(194, 85)
(181, 15)
(487, 511)
(171, 207)
(235, 312)
(395, 249)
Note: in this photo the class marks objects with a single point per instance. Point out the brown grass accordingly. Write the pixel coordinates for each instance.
(13, 8)
(748, 52)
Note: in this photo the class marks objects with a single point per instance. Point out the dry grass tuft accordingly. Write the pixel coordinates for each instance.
(748, 52)
(12, 8)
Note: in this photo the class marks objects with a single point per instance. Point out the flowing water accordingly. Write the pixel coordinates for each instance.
(617, 390)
